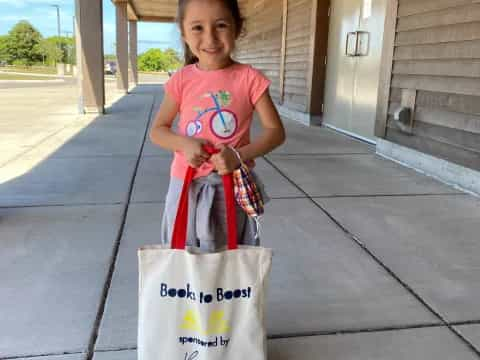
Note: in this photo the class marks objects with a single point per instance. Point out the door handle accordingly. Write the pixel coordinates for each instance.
(361, 44)
(348, 48)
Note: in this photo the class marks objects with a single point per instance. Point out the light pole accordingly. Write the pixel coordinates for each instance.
(58, 28)
(67, 46)
(58, 18)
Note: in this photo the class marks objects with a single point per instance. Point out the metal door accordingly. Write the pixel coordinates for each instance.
(353, 65)
(344, 15)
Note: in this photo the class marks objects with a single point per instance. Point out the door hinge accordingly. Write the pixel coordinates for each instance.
(325, 60)
(329, 11)
(323, 108)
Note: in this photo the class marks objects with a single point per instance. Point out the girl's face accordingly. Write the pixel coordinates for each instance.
(209, 30)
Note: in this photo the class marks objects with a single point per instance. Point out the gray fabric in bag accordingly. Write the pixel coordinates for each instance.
(206, 214)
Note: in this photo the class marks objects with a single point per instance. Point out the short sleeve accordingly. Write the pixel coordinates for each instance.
(258, 84)
(173, 87)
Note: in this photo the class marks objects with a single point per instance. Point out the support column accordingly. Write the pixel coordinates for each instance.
(89, 46)
(133, 51)
(122, 46)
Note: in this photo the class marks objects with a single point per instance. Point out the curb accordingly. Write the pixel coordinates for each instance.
(33, 74)
(32, 81)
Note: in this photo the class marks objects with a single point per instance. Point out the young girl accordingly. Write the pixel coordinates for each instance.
(215, 98)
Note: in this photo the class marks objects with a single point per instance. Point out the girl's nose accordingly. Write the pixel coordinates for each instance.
(211, 34)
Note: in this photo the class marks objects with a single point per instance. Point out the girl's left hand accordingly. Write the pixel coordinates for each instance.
(225, 161)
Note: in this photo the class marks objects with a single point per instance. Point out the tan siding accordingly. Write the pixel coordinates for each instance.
(453, 50)
(437, 53)
(443, 101)
(456, 32)
(466, 86)
(437, 148)
(460, 68)
(297, 53)
(448, 119)
(449, 16)
(262, 47)
(407, 8)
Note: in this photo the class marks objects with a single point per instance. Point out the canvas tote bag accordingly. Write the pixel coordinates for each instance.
(202, 306)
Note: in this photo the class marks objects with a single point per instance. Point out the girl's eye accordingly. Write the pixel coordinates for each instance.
(197, 28)
(222, 25)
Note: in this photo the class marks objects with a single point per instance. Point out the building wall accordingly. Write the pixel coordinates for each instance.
(262, 42)
(262, 47)
(298, 54)
(437, 55)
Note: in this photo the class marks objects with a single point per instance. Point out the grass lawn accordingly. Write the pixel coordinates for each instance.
(32, 69)
(4, 76)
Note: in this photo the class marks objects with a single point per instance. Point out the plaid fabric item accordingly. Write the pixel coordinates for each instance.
(246, 192)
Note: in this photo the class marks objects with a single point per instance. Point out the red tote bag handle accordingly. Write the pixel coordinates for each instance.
(179, 237)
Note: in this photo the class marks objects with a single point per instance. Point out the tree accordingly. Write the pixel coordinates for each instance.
(4, 55)
(22, 44)
(56, 49)
(49, 50)
(158, 60)
(110, 57)
(174, 59)
(66, 46)
(152, 60)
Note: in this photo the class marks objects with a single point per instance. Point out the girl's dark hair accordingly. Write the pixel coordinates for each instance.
(231, 5)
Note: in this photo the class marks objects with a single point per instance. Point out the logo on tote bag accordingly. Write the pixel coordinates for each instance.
(216, 323)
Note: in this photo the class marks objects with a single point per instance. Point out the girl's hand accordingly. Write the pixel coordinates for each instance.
(194, 153)
(225, 161)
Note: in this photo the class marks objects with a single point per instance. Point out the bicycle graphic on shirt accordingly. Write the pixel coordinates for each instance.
(223, 123)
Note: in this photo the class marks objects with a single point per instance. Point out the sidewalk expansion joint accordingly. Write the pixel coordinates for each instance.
(272, 155)
(118, 349)
(114, 256)
(355, 331)
(41, 355)
(94, 156)
(465, 322)
(60, 205)
(362, 245)
(387, 195)
(147, 202)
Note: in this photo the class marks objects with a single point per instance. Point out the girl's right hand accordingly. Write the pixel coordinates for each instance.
(194, 153)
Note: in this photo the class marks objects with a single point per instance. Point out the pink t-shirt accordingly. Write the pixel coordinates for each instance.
(215, 105)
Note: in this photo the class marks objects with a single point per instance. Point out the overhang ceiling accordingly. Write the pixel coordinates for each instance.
(155, 10)
(151, 10)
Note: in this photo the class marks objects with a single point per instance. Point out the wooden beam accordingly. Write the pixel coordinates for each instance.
(386, 68)
(90, 60)
(170, 19)
(317, 58)
(132, 12)
(122, 46)
(313, 25)
(133, 53)
(284, 50)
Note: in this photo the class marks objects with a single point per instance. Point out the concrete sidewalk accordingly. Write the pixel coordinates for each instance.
(373, 261)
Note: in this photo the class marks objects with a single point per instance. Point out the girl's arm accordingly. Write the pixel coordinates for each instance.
(162, 135)
(273, 135)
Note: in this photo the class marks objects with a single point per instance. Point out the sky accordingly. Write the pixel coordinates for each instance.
(43, 17)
